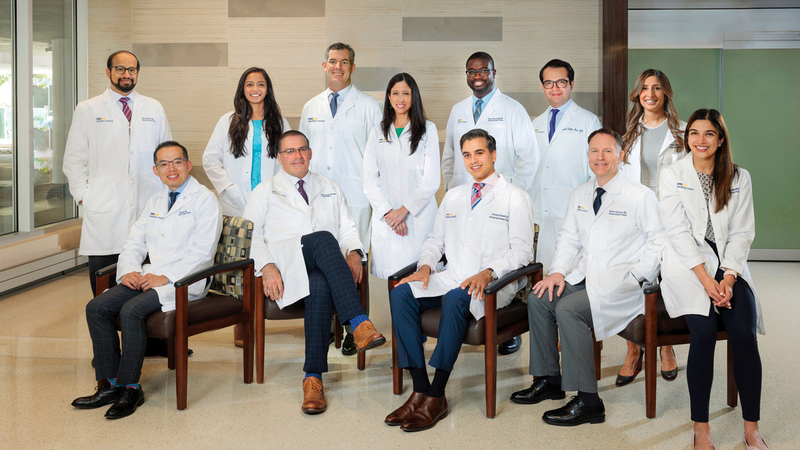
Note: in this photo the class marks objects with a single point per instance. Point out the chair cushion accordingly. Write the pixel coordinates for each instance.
(515, 312)
(294, 311)
(234, 245)
(162, 325)
(634, 331)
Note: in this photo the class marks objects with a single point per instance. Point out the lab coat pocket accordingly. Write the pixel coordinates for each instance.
(101, 196)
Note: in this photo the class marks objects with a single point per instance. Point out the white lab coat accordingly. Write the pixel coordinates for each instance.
(497, 234)
(230, 175)
(563, 166)
(281, 217)
(683, 209)
(393, 178)
(179, 242)
(616, 246)
(109, 162)
(338, 146)
(507, 121)
(670, 153)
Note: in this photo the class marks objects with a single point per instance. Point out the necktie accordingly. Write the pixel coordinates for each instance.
(334, 103)
(125, 109)
(476, 193)
(302, 191)
(552, 125)
(172, 197)
(597, 202)
(478, 109)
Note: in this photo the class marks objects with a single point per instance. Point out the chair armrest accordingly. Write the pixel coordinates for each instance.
(650, 288)
(404, 272)
(514, 275)
(107, 270)
(213, 270)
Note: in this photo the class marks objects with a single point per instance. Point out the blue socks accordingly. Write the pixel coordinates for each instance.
(356, 321)
(133, 385)
(317, 375)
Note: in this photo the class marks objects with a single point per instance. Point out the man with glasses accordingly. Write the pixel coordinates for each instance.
(306, 248)
(178, 230)
(562, 133)
(506, 120)
(107, 160)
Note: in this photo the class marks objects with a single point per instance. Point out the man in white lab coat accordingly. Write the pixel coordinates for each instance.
(178, 230)
(507, 121)
(562, 133)
(306, 248)
(337, 123)
(613, 228)
(486, 230)
(107, 160)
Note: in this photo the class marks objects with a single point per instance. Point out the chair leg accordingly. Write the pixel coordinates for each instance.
(247, 348)
(181, 374)
(650, 349)
(260, 341)
(362, 360)
(490, 356)
(397, 372)
(733, 393)
(171, 353)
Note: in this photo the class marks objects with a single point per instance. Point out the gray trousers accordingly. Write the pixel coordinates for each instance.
(572, 315)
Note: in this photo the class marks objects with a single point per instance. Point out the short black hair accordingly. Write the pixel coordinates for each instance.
(491, 143)
(170, 144)
(556, 64)
(110, 60)
(608, 131)
(291, 133)
(481, 55)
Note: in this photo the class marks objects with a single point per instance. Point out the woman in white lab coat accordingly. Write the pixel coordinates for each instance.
(401, 177)
(653, 141)
(241, 152)
(707, 209)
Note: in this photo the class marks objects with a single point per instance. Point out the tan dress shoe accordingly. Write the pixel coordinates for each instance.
(400, 414)
(367, 337)
(432, 410)
(313, 396)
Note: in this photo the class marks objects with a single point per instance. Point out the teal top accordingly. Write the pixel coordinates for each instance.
(399, 131)
(255, 171)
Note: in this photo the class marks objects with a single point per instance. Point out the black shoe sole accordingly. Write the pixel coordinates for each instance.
(94, 405)
(349, 351)
(312, 412)
(127, 413)
(520, 401)
(411, 430)
(376, 343)
(558, 423)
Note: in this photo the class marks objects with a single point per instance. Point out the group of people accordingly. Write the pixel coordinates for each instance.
(664, 202)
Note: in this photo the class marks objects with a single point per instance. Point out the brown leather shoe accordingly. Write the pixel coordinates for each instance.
(400, 414)
(313, 396)
(367, 337)
(427, 414)
(238, 335)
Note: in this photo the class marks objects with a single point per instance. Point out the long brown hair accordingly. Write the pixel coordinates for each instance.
(416, 115)
(725, 171)
(240, 120)
(635, 111)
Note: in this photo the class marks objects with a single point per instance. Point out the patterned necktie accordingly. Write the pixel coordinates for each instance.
(478, 109)
(476, 193)
(172, 197)
(125, 109)
(301, 190)
(334, 103)
(552, 125)
(597, 202)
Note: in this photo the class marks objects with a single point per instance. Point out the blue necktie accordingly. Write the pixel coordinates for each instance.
(478, 109)
(334, 103)
(172, 197)
(597, 202)
(552, 125)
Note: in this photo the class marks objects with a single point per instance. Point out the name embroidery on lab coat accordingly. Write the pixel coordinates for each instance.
(498, 216)
(148, 119)
(315, 119)
(103, 119)
(572, 129)
(611, 212)
(496, 119)
(683, 186)
(184, 213)
(450, 216)
(735, 191)
(330, 194)
(582, 209)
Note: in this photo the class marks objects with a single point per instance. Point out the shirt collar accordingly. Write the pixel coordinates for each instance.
(561, 109)
(491, 180)
(183, 186)
(294, 180)
(485, 99)
(116, 96)
(613, 184)
(342, 94)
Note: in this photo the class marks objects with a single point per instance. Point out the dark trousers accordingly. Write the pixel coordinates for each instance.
(133, 307)
(740, 322)
(406, 310)
(331, 288)
(96, 263)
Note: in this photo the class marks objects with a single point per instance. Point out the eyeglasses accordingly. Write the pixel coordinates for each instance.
(294, 151)
(472, 73)
(562, 83)
(178, 163)
(121, 69)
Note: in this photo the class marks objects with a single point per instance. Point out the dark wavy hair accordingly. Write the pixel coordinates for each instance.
(724, 169)
(416, 114)
(240, 120)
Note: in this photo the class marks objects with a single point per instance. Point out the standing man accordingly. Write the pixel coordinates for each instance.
(613, 229)
(107, 160)
(507, 121)
(562, 133)
(178, 230)
(500, 216)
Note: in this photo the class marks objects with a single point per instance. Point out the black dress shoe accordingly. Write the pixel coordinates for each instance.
(126, 405)
(510, 346)
(622, 380)
(106, 394)
(670, 375)
(575, 413)
(349, 347)
(539, 390)
(331, 338)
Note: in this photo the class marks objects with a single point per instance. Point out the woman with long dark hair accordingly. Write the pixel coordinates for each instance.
(707, 208)
(242, 150)
(401, 177)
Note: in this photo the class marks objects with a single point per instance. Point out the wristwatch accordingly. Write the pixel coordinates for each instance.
(492, 273)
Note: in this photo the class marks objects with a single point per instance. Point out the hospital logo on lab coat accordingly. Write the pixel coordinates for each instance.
(683, 186)
(462, 121)
(315, 119)
(450, 216)
(582, 209)
(103, 119)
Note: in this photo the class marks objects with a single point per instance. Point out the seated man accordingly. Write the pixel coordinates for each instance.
(302, 228)
(613, 229)
(486, 229)
(178, 229)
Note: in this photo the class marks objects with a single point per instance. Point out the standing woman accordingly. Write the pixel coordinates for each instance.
(401, 177)
(653, 141)
(242, 150)
(707, 209)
